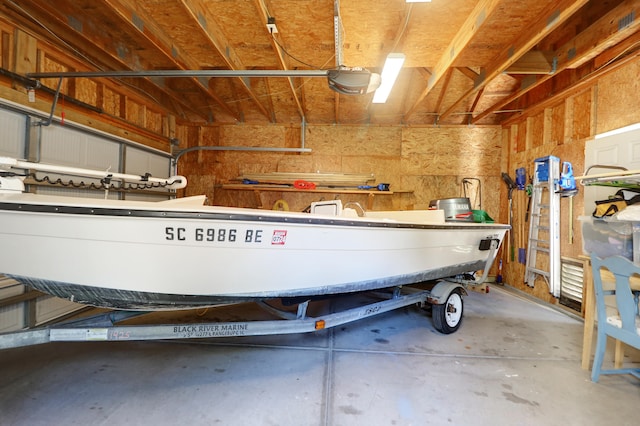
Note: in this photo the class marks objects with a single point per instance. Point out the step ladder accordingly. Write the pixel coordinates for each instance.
(543, 252)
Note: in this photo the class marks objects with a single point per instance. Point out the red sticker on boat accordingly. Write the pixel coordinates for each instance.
(279, 237)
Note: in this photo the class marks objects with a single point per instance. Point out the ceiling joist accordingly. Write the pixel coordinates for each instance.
(507, 52)
(550, 19)
(137, 20)
(215, 36)
(472, 24)
(605, 32)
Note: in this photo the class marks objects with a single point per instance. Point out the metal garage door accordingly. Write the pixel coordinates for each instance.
(13, 135)
(74, 146)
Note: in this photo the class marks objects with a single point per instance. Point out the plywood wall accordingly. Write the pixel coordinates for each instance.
(562, 130)
(98, 103)
(423, 163)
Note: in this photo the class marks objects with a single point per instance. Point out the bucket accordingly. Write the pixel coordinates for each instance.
(455, 209)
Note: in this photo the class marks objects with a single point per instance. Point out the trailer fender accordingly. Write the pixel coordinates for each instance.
(441, 291)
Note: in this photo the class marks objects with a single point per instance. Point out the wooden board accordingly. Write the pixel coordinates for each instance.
(611, 175)
(351, 179)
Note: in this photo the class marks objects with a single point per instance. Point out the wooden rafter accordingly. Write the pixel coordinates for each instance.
(445, 86)
(533, 62)
(595, 39)
(549, 20)
(207, 25)
(475, 103)
(260, 6)
(474, 21)
(271, 107)
(471, 74)
(58, 25)
(582, 83)
(162, 42)
(491, 42)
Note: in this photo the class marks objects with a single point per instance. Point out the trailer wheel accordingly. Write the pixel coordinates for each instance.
(448, 316)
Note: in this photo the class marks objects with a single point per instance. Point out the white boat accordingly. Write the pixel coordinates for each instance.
(180, 254)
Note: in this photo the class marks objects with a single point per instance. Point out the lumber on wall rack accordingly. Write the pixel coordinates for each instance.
(258, 189)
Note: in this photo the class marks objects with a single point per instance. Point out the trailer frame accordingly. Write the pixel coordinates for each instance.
(103, 327)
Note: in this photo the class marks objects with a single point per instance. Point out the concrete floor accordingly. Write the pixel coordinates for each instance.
(513, 362)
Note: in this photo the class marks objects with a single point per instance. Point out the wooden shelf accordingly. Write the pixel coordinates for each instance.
(257, 189)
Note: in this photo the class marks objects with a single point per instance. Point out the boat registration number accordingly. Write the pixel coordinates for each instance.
(213, 235)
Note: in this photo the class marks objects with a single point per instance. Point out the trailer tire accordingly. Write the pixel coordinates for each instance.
(447, 317)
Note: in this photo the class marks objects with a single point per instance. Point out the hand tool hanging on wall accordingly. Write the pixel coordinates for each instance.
(568, 189)
(511, 186)
(468, 182)
(529, 190)
(521, 182)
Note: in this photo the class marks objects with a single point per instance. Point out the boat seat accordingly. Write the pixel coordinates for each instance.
(617, 305)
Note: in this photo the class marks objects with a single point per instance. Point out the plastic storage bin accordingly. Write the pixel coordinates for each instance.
(636, 242)
(607, 237)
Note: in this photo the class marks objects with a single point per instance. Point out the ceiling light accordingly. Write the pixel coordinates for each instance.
(418, 1)
(390, 72)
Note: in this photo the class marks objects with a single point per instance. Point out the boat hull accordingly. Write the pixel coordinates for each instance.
(152, 256)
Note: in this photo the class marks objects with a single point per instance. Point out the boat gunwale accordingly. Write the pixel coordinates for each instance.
(250, 215)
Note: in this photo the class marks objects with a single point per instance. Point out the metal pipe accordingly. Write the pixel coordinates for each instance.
(172, 182)
(238, 148)
(35, 84)
(303, 128)
(182, 73)
(48, 121)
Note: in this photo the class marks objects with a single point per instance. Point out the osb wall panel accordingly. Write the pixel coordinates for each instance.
(111, 102)
(581, 123)
(153, 121)
(134, 112)
(420, 163)
(86, 91)
(253, 135)
(451, 150)
(23, 53)
(557, 124)
(335, 149)
(618, 104)
(51, 65)
(536, 130)
(569, 147)
(441, 158)
(6, 42)
(610, 104)
(521, 137)
(355, 140)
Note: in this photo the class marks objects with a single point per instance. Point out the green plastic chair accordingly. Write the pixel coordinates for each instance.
(621, 321)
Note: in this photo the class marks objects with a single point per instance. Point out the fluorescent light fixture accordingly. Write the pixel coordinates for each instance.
(390, 72)
(418, 1)
(618, 131)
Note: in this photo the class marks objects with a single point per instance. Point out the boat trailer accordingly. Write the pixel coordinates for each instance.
(444, 298)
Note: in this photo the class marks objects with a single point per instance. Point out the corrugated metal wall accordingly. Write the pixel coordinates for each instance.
(20, 307)
(13, 135)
